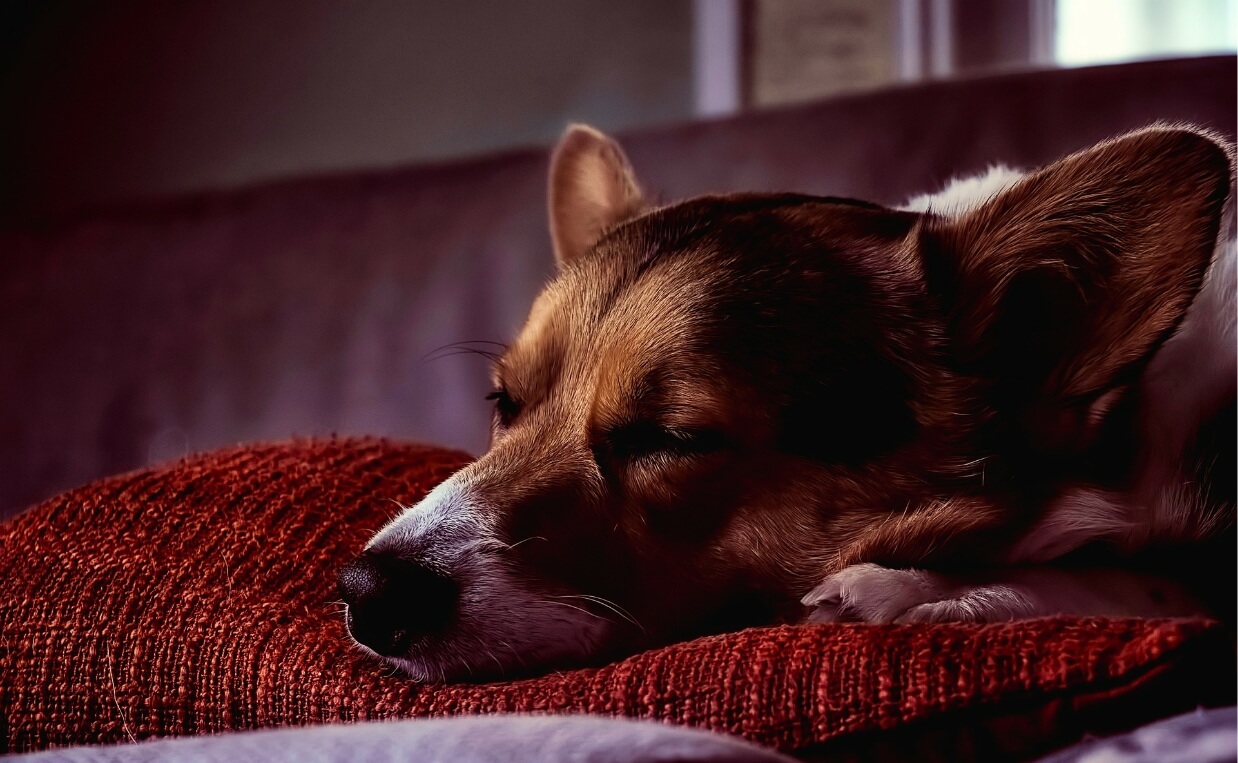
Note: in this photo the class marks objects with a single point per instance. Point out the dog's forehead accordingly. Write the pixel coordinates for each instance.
(655, 285)
(597, 313)
(706, 242)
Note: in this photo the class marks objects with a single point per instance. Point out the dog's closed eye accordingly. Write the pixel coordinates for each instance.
(646, 438)
(505, 408)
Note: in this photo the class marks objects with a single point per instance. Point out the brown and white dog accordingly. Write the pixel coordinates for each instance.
(1012, 398)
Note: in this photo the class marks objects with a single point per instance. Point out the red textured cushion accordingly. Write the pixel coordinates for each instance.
(195, 598)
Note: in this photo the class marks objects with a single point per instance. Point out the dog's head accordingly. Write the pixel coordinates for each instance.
(717, 402)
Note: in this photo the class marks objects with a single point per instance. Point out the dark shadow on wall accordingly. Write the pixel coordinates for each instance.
(106, 102)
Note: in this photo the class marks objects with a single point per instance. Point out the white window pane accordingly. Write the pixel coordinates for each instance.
(1101, 31)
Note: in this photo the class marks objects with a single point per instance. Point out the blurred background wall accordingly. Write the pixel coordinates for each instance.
(114, 100)
(104, 102)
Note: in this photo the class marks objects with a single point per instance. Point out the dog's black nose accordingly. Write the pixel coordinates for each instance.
(393, 602)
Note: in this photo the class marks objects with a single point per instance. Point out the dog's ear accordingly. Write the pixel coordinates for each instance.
(1059, 289)
(592, 188)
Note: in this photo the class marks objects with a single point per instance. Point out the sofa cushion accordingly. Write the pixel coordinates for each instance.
(198, 597)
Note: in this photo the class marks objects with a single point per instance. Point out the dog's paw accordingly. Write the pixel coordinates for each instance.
(871, 593)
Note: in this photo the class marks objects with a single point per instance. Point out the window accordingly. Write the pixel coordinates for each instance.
(1105, 31)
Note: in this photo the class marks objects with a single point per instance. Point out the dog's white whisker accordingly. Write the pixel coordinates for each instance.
(578, 609)
(403, 507)
(612, 606)
(509, 547)
(494, 657)
(111, 675)
(516, 654)
(228, 575)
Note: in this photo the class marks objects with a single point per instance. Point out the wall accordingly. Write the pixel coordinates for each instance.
(105, 102)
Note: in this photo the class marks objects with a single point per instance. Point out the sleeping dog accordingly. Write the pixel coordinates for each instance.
(1012, 398)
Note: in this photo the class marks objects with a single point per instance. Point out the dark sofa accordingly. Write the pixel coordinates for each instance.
(309, 306)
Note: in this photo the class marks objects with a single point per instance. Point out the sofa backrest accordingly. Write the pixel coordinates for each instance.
(309, 307)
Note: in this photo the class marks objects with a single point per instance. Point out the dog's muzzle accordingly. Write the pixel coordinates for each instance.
(393, 603)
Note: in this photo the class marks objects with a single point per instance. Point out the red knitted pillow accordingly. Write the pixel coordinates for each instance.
(193, 598)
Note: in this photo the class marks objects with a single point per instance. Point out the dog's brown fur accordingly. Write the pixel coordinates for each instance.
(719, 403)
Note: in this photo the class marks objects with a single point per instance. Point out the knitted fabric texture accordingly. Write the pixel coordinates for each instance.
(197, 597)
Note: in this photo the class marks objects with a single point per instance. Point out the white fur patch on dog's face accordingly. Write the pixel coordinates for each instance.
(503, 622)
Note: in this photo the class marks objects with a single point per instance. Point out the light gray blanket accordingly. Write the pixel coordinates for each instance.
(485, 739)
(1204, 736)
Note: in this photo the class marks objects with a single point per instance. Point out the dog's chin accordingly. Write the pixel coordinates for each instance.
(477, 661)
(437, 668)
